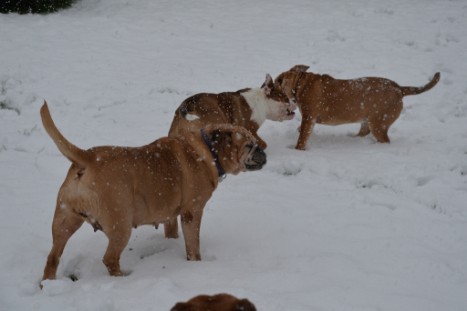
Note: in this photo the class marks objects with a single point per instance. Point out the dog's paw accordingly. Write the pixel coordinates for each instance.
(126, 272)
(56, 287)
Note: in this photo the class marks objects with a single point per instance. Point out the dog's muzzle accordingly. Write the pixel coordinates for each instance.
(256, 158)
(291, 107)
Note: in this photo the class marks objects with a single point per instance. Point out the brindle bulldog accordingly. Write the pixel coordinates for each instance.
(247, 107)
(374, 102)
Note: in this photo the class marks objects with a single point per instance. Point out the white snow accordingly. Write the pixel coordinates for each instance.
(348, 224)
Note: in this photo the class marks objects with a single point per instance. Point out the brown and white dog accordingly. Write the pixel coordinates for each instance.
(374, 102)
(248, 108)
(118, 188)
(219, 302)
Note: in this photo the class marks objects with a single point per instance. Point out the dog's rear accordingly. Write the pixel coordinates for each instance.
(195, 113)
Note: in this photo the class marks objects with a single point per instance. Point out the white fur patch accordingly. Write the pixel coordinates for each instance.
(191, 117)
(238, 136)
(260, 105)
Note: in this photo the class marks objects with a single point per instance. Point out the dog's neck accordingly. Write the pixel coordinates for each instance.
(259, 104)
(297, 87)
(220, 171)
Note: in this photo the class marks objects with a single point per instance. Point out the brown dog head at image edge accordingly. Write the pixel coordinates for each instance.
(219, 302)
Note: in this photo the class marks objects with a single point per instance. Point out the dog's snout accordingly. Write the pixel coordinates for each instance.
(292, 104)
(259, 156)
(256, 159)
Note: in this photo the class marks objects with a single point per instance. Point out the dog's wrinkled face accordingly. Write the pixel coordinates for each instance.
(237, 148)
(282, 109)
(286, 82)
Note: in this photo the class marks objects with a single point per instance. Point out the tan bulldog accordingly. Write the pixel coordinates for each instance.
(248, 108)
(219, 302)
(374, 102)
(116, 189)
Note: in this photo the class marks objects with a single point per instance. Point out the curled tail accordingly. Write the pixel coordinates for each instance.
(74, 154)
(412, 90)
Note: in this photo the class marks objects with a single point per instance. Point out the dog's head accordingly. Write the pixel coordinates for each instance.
(219, 302)
(236, 148)
(280, 108)
(287, 81)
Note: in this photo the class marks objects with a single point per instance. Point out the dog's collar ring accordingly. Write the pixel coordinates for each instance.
(222, 177)
(220, 171)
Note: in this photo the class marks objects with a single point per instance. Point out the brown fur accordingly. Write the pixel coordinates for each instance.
(219, 302)
(374, 102)
(237, 108)
(118, 188)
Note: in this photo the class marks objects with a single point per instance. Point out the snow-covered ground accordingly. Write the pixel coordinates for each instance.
(349, 224)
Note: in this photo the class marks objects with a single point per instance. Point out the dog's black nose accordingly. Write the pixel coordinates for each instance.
(256, 160)
(259, 156)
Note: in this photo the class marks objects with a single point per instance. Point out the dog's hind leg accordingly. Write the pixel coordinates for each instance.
(380, 133)
(119, 235)
(65, 224)
(364, 129)
(379, 124)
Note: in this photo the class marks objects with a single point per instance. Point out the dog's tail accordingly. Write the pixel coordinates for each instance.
(74, 154)
(412, 90)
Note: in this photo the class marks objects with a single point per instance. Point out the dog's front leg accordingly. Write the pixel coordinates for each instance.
(191, 223)
(364, 129)
(305, 131)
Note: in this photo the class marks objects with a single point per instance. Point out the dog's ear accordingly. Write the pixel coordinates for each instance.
(182, 306)
(268, 85)
(244, 305)
(219, 137)
(238, 136)
(299, 68)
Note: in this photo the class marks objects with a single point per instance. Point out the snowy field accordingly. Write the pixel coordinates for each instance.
(348, 224)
